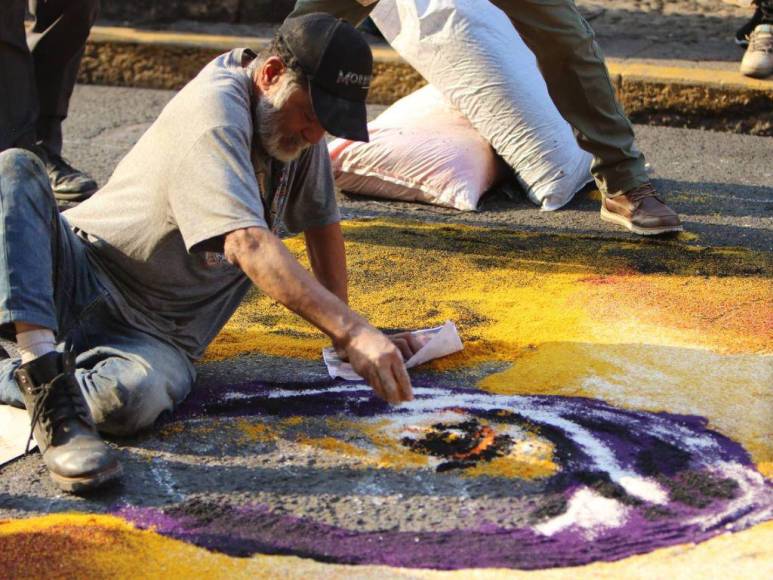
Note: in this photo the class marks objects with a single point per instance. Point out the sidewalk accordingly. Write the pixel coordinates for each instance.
(669, 68)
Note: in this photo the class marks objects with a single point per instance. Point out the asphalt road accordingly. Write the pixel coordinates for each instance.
(720, 183)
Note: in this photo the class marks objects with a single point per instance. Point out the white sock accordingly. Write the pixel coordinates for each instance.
(35, 343)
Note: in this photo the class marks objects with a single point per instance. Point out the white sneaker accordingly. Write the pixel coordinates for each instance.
(758, 60)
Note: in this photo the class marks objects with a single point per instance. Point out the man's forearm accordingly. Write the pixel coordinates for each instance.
(264, 259)
(327, 254)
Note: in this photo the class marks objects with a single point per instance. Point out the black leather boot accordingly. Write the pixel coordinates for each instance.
(77, 458)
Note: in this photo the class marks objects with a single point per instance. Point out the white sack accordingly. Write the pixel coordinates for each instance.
(469, 50)
(421, 149)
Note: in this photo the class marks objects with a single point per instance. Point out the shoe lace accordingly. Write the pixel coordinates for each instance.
(60, 163)
(60, 401)
(639, 193)
(760, 42)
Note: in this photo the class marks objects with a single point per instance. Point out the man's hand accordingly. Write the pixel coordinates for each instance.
(408, 343)
(379, 362)
(263, 257)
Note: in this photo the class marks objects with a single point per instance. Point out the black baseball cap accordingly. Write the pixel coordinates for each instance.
(338, 63)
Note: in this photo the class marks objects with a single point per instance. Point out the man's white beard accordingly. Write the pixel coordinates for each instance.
(268, 116)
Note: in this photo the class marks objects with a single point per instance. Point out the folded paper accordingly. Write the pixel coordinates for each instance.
(437, 342)
(14, 433)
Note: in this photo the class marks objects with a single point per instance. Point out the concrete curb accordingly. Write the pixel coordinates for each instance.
(681, 93)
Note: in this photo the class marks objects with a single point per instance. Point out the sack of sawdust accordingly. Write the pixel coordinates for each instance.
(421, 149)
(470, 52)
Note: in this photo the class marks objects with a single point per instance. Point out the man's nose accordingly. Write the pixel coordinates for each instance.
(313, 132)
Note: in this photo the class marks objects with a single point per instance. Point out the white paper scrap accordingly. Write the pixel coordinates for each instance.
(437, 342)
(14, 431)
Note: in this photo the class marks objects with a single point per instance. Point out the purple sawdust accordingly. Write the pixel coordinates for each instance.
(704, 483)
(249, 530)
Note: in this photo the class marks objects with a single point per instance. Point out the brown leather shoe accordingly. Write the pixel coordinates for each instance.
(641, 211)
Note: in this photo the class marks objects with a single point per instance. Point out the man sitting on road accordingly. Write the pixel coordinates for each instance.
(111, 302)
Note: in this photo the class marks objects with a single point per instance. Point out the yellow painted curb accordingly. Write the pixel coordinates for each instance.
(632, 70)
(624, 69)
(125, 35)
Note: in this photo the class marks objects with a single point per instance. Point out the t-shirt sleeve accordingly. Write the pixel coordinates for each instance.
(214, 190)
(313, 201)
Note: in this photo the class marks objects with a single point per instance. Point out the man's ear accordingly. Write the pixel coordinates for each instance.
(270, 73)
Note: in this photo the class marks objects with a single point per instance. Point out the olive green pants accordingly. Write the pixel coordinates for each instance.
(576, 76)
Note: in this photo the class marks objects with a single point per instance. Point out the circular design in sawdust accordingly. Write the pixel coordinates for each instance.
(528, 482)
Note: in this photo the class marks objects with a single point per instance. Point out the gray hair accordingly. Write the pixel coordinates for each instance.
(279, 48)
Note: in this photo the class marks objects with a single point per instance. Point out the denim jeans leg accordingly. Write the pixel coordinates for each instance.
(28, 224)
(128, 376)
(45, 275)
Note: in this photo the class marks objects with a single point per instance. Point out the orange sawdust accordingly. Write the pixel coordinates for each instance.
(729, 314)
(383, 450)
(171, 429)
(90, 546)
(381, 445)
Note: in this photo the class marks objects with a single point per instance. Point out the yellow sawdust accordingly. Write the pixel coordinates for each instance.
(171, 429)
(256, 431)
(384, 451)
(78, 545)
(662, 326)
(688, 237)
(594, 194)
(334, 445)
(198, 428)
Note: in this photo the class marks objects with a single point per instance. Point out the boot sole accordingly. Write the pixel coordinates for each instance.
(614, 218)
(86, 482)
(73, 196)
(756, 74)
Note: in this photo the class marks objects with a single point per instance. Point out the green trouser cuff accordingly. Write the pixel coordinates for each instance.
(620, 178)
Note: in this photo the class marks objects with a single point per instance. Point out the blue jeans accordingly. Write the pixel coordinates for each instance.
(127, 376)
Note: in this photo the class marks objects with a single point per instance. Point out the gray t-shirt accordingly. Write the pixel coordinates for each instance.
(155, 231)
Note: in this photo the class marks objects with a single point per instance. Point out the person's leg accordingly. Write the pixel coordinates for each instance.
(56, 41)
(128, 377)
(758, 59)
(18, 105)
(742, 34)
(350, 10)
(578, 82)
(45, 283)
(766, 9)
